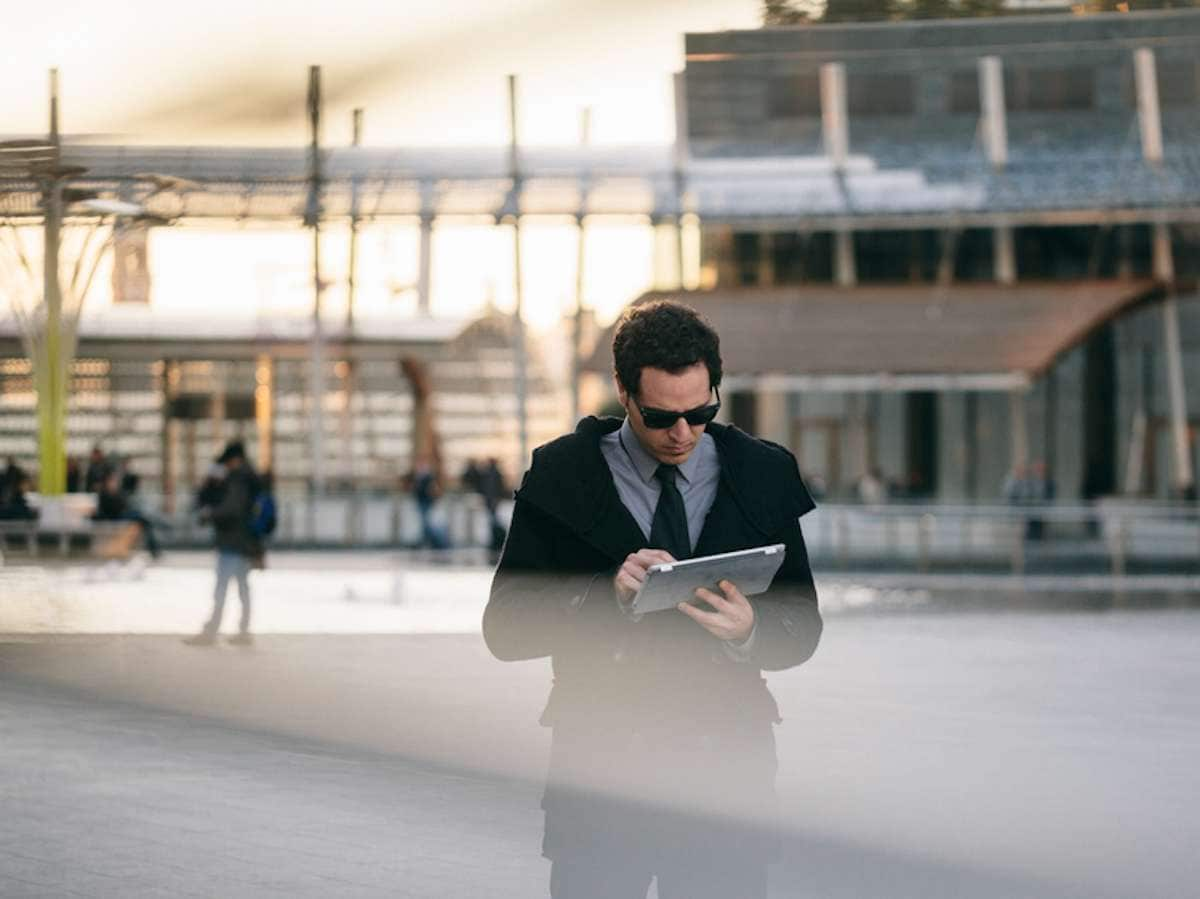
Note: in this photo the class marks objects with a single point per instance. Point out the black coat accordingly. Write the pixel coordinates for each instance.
(230, 513)
(651, 692)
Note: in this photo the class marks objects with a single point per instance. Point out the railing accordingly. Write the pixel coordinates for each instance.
(361, 520)
(1113, 533)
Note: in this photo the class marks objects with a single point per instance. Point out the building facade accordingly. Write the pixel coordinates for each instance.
(1044, 159)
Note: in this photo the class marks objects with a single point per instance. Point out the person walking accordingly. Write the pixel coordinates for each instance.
(229, 508)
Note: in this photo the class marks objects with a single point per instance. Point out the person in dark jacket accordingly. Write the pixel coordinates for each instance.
(663, 753)
(116, 500)
(228, 507)
(14, 505)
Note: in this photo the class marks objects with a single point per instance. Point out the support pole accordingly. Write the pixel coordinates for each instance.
(52, 373)
(352, 275)
(845, 270)
(679, 83)
(1149, 119)
(1019, 431)
(834, 118)
(836, 133)
(169, 445)
(991, 104)
(264, 410)
(1004, 255)
(317, 346)
(519, 359)
(580, 259)
(350, 380)
(1183, 479)
(216, 408)
(948, 256)
(424, 262)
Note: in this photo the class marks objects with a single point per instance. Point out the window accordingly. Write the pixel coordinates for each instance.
(1043, 89)
(964, 92)
(1178, 83)
(794, 97)
(879, 93)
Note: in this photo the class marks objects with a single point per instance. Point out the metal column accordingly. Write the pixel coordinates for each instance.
(836, 134)
(317, 345)
(519, 359)
(580, 259)
(1150, 122)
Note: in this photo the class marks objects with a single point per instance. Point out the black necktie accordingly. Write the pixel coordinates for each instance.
(669, 529)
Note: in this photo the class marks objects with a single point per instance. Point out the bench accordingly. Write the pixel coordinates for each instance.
(64, 528)
(103, 540)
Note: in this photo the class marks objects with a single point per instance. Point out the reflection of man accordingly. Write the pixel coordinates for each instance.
(663, 757)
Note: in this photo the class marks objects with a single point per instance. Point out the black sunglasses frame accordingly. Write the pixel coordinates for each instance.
(661, 419)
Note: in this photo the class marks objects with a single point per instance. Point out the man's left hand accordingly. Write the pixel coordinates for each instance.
(732, 617)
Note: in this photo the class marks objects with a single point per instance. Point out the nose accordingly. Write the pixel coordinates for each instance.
(681, 430)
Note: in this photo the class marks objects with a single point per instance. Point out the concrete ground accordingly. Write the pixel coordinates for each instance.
(933, 747)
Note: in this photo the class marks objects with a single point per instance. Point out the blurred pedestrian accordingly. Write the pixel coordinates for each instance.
(14, 504)
(228, 503)
(74, 475)
(425, 489)
(116, 500)
(872, 489)
(493, 488)
(98, 468)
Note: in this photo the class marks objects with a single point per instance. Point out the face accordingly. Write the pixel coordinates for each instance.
(678, 392)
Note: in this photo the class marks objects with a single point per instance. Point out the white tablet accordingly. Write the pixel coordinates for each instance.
(670, 583)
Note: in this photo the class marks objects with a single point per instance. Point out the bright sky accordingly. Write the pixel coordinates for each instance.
(234, 72)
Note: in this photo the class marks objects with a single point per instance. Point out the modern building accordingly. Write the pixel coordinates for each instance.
(943, 250)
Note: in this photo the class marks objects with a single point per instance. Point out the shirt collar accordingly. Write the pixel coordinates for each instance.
(646, 465)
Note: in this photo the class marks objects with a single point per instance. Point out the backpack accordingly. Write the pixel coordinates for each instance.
(263, 517)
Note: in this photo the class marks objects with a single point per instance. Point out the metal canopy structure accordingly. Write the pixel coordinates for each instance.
(981, 337)
(930, 190)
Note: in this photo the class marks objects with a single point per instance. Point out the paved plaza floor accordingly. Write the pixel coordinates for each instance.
(927, 750)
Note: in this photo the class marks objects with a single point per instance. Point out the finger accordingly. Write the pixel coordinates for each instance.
(654, 556)
(634, 569)
(630, 580)
(732, 593)
(712, 621)
(713, 599)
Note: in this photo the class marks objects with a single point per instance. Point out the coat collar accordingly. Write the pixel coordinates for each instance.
(571, 482)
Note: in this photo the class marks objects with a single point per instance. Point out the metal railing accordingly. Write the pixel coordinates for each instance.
(360, 520)
(1113, 533)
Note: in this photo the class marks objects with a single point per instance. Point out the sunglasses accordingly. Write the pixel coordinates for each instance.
(661, 419)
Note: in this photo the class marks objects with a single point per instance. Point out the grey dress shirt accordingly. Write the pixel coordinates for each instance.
(633, 474)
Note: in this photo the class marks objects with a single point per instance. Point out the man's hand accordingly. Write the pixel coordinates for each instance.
(632, 574)
(732, 617)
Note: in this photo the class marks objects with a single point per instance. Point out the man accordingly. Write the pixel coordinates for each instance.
(663, 755)
(229, 507)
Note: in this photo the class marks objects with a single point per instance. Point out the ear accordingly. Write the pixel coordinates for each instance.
(622, 395)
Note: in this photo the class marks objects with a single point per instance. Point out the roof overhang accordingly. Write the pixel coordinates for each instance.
(960, 337)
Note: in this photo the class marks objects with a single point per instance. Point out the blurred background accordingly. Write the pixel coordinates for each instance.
(952, 250)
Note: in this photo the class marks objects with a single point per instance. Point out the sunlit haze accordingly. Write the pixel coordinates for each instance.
(234, 74)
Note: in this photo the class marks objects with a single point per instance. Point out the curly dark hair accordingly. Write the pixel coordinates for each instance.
(663, 334)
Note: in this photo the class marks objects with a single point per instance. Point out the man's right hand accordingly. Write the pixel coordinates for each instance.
(632, 573)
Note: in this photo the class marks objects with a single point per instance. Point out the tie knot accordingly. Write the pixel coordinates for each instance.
(666, 474)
